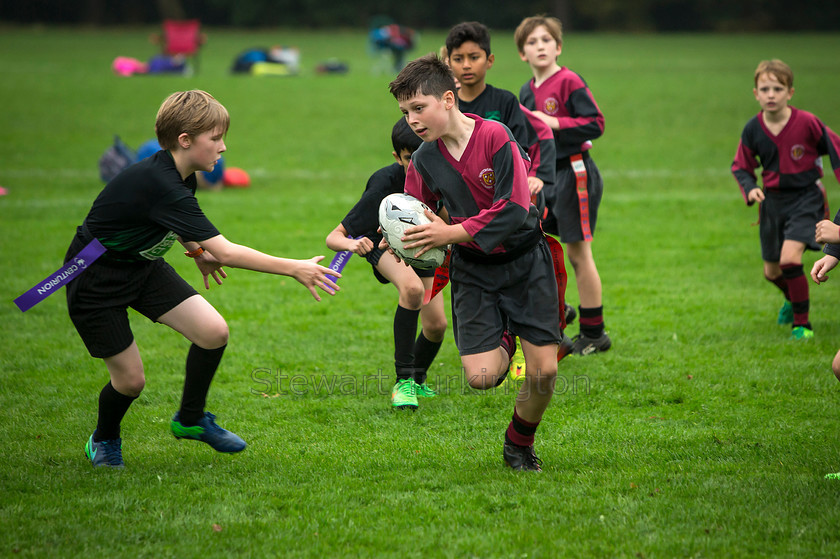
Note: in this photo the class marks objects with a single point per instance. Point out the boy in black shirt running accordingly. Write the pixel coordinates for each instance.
(137, 217)
(358, 233)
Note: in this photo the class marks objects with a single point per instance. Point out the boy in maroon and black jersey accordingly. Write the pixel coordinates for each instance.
(501, 269)
(562, 100)
(788, 144)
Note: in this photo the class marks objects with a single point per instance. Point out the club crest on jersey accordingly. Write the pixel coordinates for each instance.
(551, 105)
(487, 177)
(797, 151)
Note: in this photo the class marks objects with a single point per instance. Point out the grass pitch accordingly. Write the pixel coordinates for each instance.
(704, 432)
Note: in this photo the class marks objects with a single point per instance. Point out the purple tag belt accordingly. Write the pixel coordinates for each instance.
(61, 277)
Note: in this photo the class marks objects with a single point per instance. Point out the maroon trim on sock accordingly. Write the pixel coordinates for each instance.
(591, 316)
(797, 285)
(591, 321)
(521, 432)
(508, 343)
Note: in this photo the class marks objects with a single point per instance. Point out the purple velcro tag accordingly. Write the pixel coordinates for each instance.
(340, 260)
(64, 275)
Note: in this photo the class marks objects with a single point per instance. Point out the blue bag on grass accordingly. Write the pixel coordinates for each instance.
(115, 159)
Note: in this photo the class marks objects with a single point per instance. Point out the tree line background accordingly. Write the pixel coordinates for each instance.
(581, 15)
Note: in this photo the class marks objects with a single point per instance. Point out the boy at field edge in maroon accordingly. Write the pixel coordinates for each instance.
(137, 217)
(788, 144)
(501, 269)
(562, 100)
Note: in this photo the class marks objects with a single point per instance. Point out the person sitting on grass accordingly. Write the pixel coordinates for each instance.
(358, 233)
(137, 217)
(501, 270)
(788, 143)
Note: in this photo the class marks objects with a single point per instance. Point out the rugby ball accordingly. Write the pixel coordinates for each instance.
(398, 212)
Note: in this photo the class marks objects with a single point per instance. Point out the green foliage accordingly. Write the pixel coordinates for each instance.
(581, 15)
(704, 432)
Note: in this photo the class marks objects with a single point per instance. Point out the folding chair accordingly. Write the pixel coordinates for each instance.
(182, 37)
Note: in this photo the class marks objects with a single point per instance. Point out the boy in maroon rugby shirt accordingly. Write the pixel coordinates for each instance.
(501, 271)
(562, 100)
(788, 144)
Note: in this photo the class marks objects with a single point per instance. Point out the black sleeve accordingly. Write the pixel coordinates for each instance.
(363, 219)
(179, 212)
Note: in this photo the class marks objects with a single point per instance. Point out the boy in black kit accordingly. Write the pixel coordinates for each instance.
(502, 276)
(358, 233)
(469, 57)
(137, 217)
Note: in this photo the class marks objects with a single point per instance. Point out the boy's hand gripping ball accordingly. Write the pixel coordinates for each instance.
(398, 212)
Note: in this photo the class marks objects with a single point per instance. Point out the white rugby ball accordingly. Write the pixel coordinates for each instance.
(398, 212)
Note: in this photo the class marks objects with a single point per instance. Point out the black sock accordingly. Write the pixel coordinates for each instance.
(405, 330)
(591, 321)
(112, 408)
(781, 283)
(425, 352)
(201, 366)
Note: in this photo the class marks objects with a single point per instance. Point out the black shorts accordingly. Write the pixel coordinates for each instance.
(789, 215)
(374, 256)
(561, 199)
(520, 296)
(97, 300)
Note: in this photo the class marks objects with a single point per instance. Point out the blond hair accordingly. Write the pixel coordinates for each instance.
(527, 26)
(777, 68)
(191, 112)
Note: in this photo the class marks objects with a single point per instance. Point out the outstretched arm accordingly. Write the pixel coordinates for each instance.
(338, 241)
(207, 264)
(307, 272)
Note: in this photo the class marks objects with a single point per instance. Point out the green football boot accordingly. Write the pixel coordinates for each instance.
(404, 394)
